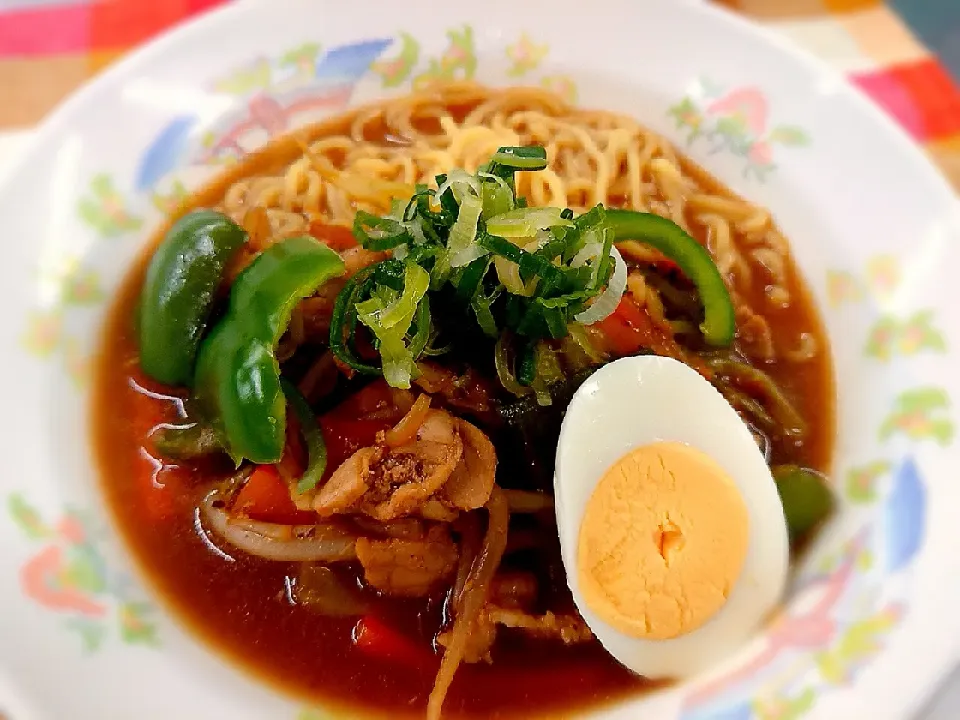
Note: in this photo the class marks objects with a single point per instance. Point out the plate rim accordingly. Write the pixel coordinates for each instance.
(62, 112)
(59, 119)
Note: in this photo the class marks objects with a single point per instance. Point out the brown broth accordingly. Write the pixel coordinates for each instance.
(242, 607)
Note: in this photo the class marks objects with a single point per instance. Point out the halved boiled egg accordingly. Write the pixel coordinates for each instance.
(672, 531)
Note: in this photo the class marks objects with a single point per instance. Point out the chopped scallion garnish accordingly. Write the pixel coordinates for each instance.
(529, 272)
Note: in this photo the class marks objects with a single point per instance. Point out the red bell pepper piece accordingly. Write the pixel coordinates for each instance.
(266, 497)
(378, 639)
(336, 237)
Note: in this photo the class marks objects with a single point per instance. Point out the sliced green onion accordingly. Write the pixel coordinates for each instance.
(397, 207)
(587, 253)
(530, 157)
(467, 279)
(501, 360)
(376, 233)
(415, 228)
(527, 364)
(481, 304)
(343, 321)
(607, 258)
(607, 301)
(528, 262)
(418, 343)
(525, 222)
(389, 314)
(462, 245)
(579, 335)
(461, 183)
(509, 274)
(555, 245)
(555, 270)
(316, 447)
(449, 207)
(497, 196)
(548, 372)
(399, 367)
(415, 284)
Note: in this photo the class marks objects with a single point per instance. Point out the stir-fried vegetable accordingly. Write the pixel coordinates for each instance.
(265, 496)
(178, 292)
(322, 590)
(777, 414)
(719, 322)
(188, 441)
(316, 447)
(388, 313)
(281, 542)
(374, 637)
(530, 272)
(527, 276)
(806, 497)
(382, 291)
(237, 380)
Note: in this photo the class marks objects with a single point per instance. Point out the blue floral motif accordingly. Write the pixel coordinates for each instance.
(164, 152)
(904, 516)
(348, 63)
(842, 614)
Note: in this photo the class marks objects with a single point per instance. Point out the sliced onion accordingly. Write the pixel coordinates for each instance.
(525, 222)
(416, 232)
(497, 179)
(287, 543)
(543, 237)
(608, 300)
(508, 273)
(580, 336)
(471, 599)
(501, 358)
(465, 257)
(587, 253)
(456, 179)
(462, 244)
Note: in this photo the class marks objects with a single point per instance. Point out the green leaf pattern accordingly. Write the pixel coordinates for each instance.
(920, 414)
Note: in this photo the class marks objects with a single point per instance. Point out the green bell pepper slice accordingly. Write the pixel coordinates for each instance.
(719, 320)
(806, 497)
(178, 292)
(237, 379)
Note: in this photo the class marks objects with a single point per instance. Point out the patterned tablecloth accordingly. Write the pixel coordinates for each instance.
(905, 54)
(901, 52)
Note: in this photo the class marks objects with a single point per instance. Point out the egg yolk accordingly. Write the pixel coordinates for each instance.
(663, 540)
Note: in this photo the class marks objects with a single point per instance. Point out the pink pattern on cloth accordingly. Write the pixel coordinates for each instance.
(43, 31)
(889, 94)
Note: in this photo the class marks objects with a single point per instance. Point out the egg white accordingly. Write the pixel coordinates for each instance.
(640, 400)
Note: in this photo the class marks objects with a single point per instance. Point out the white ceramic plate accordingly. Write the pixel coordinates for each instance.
(872, 623)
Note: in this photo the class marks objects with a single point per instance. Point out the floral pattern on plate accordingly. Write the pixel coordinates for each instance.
(736, 120)
(69, 576)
